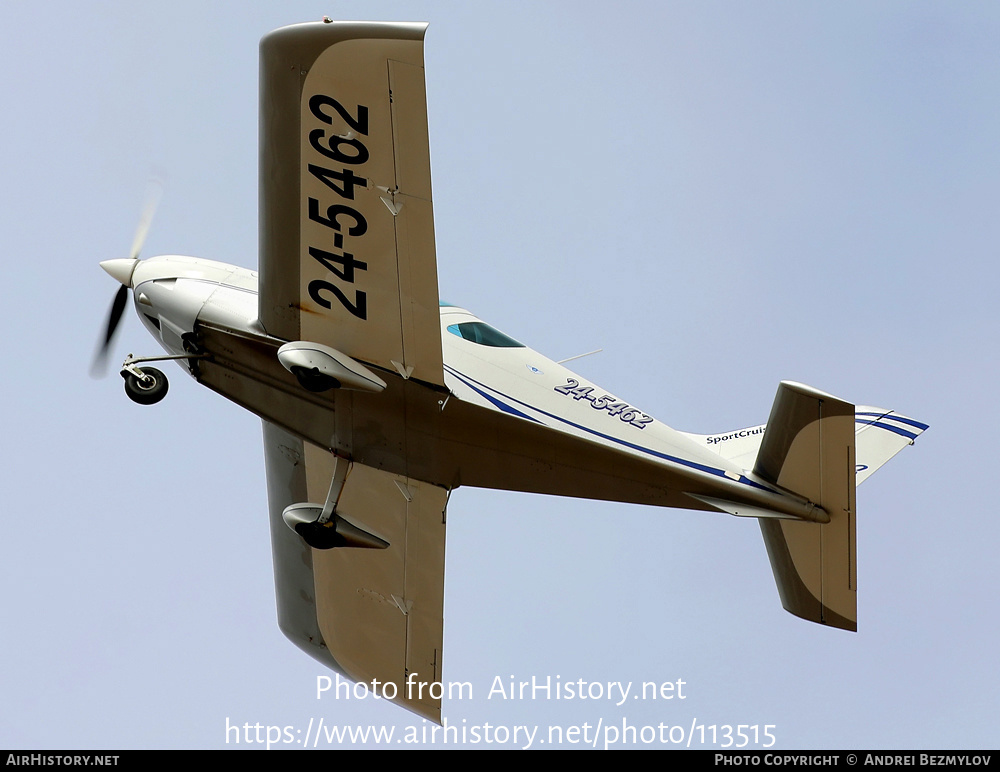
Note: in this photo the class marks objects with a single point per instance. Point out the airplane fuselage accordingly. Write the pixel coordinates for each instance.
(500, 398)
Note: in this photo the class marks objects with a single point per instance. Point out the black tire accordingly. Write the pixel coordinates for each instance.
(320, 536)
(147, 390)
(311, 379)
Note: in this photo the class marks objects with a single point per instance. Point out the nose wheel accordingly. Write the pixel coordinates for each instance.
(145, 385)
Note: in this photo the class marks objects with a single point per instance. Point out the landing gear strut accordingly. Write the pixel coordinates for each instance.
(321, 527)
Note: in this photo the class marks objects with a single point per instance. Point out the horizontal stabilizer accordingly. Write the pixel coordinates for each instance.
(805, 447)
(808, 448)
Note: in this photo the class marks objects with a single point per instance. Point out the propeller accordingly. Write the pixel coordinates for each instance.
(121, 269)
(153, 194)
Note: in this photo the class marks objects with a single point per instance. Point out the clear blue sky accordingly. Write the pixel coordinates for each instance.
(720, 195)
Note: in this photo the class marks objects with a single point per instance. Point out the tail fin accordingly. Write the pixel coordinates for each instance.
(821, 448)
(881, 434)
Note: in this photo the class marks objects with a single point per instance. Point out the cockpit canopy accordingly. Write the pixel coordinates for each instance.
(483, 334)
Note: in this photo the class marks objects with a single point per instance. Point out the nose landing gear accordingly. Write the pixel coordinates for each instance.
(147, 385)
(147, 388)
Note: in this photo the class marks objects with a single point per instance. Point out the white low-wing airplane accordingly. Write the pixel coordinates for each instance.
(377, 400)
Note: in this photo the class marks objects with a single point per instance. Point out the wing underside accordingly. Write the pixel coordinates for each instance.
(371, 614)
(347, 260)
(347, 253)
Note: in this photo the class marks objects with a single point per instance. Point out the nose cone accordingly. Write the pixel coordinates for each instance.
(120, 269)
